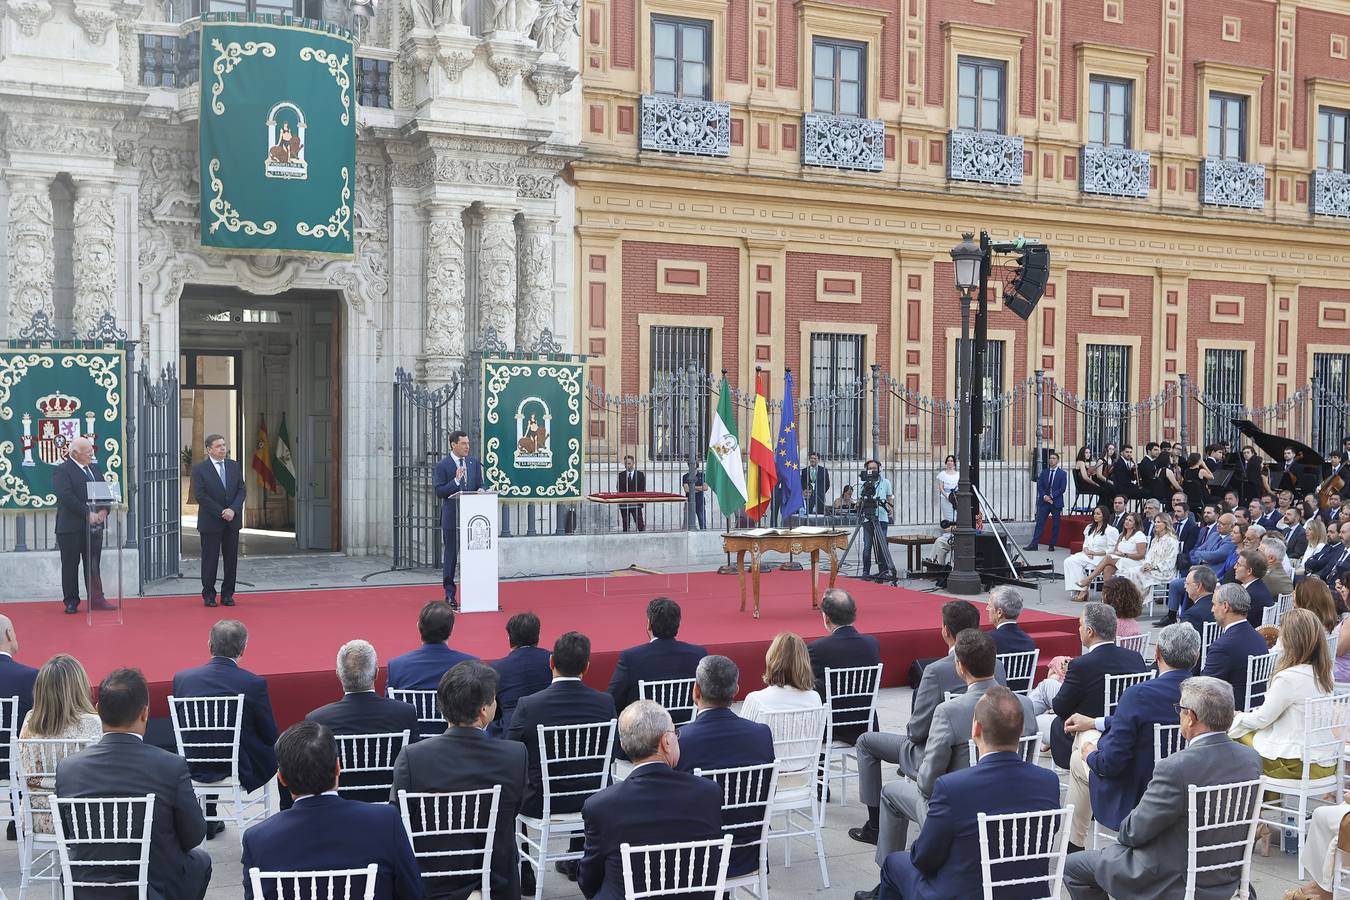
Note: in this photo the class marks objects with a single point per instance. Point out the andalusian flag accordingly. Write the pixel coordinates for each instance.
(285, 471)
(262, 457)
(763, 471)
(724, 474)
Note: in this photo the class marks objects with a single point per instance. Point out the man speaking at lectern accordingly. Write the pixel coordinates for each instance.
(456, 473)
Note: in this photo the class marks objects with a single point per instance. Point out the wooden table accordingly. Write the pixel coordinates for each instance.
(758, 545)
(913, 544)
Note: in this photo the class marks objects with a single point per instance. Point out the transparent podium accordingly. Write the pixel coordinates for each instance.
(638, 564)
(103, 548)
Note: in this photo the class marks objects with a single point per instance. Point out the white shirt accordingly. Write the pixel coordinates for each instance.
(558, 678)
(298, 797)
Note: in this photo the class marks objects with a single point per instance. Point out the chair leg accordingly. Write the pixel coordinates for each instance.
(820, 857)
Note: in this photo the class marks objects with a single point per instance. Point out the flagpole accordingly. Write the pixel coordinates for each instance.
(791, 565)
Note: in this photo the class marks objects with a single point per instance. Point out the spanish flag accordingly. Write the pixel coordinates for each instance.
(262, 457)
(762, 472)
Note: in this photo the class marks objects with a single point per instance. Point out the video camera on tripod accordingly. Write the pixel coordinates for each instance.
(867, 491)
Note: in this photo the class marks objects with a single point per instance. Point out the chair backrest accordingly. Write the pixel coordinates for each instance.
(1167, 740)
(574, 760)
(1271, 614)
(1283, 603)
(851, 697)
(329, 884)
(112, 835)
(1136, 642)
(1207, 636)
(1326, 725)
(676, 695)
(9, 733)
(35, 762)
(1020, 669)
(1115, 685)
(367, 771)
(452, 834)
(206, 730)
(1028, 747)
(1258, 678)
(747, 792)
(668, 870)
(1027, 848)
(1222, 828)
(430, 722)
(797, 738)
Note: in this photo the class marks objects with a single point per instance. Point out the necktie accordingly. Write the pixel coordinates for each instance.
(220, 470)
(88, 475)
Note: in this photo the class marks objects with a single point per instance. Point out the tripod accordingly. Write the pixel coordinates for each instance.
(880, 549)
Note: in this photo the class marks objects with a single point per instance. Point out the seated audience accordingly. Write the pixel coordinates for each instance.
(421, 669)
(1107, 777)
(787, 677)
(1236, 642)
(1340, 593)
(61, 710)
(1099, 539)
(1005, 605)
(1199, 607)
(1332, 548)
(324, 831)
(122, 764)
(1084, 683)
(1248, 571)
(1295, 534)
(1125, 556)
(655, 804)
(16, 679)
(521, 672)
(1043, 695)
(1318, 599)
(843, 648)
(1149, 856)
(660, 658)
(944, 860)
(1317, 539)
(1123, 596)
(464, 758)
(361, 710)
(224, 677)
(1279, 577)
(717, 738)
(1159, 565)
(1335, 559)
(1213, 550)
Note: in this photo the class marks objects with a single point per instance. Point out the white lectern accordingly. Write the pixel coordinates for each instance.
(479, 534)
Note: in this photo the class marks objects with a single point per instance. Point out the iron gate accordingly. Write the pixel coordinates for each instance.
(158, 465)
(423, 420)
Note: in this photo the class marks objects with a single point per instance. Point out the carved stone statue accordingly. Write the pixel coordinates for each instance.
(430, 14)
(513, 16)
(554, 25)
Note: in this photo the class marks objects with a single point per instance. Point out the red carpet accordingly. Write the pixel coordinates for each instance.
(294, 635)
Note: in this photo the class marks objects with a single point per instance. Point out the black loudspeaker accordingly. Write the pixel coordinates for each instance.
(1033, 271)
(989, 559)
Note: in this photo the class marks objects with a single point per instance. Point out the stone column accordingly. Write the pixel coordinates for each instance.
(443, 345)
(534, 307)
(497, 273)
(32, 259)
(95, 255)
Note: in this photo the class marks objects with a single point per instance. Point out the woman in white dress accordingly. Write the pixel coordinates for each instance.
(947, 480)
(1159, 565)
(1129, 551)
(1099, 539)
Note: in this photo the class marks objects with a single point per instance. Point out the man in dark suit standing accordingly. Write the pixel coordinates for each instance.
(223, 677)
(124, 765)
(655, 804)
(1248, 571)
(1237, 641)
(218, 485)
(815, 485)
(843, 648)
(457, 473)
(521, 672)
(361, 710)
(660, 658)
(632, 481)
(464, 758)
(421, 669)
(1084, 682)
(79, 532)
(325, 831)
(1005, 605)
(1050, 488)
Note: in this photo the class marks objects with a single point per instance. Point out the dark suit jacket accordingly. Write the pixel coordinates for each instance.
(843, 648)
(661, 659)
(213, 497)
(16, 680)
(1296, 543)
(421, 669)
(1198, 613)
(223, 677)
(1083, 691)
(367, 712)
(1261, 598)
(1122, 764)
(443, 481)
(1188, 535)
(636, 482)
(561, 703)
(654, 805)
(1269, 520)
(1010, 638)
(466, 759)
(1227, 657)
(1052, 483)
(328, 832)
(521, 672)
(69, 485)
(1329, 564)
(817, 500)
(123, 765)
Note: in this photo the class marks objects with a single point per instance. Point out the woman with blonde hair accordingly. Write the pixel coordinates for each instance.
(62, 710)
(1159, 565)
(1313, 595)
(787, 675)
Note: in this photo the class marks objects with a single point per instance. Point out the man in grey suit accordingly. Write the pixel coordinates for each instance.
(1148, 862)
(124, 765)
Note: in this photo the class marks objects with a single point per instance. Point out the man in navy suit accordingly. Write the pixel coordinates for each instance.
(1333, 511)
(1237, 641)
(660, 658)
(1085, 680)
(1248, 571)
(457, 473)
(79, 532)
(1296, 537)
(1270, 515)
(1050, 488)
(843, 648)
(521, 672)
(218, 485)
(944, 860)
(223, 677)
(361, 710)
(1213, 550)
(1199, 608)
(16, 679)
(325, 831)
(421, 669)
(1108, 774)
(815, 484)
(1187, 528)
(1005, 605)
(655, 804)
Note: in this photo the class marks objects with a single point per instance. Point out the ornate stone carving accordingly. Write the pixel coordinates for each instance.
(507, 61)
(555, 25)
(454, 61)
(468, 170)
(444, 283)
(49, 137)
(95, 19)
(29, 14)
(536, 186)
(410, 174)
(31, 255)
(534, 314)
(95, 255)
(497, 271)
(550, 79)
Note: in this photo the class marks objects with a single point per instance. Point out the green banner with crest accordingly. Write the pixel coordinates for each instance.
(277, 135)
(48, 398)
(532, 419)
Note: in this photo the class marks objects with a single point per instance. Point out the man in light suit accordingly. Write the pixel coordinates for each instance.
(124, 765)
(457, 473)
(1083, 690)
(1050, 488)
(843, 648)
(1237, 641)
(421, 669)
(1277, 580)
(521, 672)
(218, 485)
(1148, 861)
(1211, 550)
(79, 532)
(660, 658)
(815, 485)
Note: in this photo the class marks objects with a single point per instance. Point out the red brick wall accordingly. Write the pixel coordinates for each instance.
(1203, 41)
(1312, 59)
(947, 314)
(1078, 309)
(890, 53)
(787, 61)
(622, 16)
(1141, 30)
(1309, 332)
(1253, 328)
(1017, 14)
(738, 40)
(800, 303)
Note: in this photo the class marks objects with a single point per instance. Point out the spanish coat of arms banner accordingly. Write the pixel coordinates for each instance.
(532, 420)
(48, 398)
(277, 135)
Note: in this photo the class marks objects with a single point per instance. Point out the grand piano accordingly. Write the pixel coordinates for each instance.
(1303, 477)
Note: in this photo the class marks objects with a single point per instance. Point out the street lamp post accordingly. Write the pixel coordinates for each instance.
(968, 259)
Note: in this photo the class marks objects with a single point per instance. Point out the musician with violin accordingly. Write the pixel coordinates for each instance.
(1339, 470)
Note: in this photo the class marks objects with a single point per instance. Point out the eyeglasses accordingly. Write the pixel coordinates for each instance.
(1181, 709)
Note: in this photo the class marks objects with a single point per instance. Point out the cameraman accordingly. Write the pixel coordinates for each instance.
(875, 502)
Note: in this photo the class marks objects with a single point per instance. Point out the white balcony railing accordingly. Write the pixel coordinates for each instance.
(984, 156)
(843, 142)
(1228, 182)
(679, 125)
(1114, 171)
(1331, 193)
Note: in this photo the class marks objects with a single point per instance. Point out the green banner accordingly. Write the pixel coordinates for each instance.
(47, 399)
(277, 136)
(532, 419)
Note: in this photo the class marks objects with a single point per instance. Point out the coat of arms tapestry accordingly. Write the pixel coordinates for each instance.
(532, 433)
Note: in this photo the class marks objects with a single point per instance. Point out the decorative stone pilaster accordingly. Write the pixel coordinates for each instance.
(95, 255)
(29, 14)
(29, 243)
(443, 342)
(534, 311)
(497, 272)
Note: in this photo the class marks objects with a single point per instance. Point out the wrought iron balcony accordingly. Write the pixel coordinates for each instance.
(1227, 182)
(984, 156)
(1115, 171)
(677, 125)
(843, 142)
(1331, 193)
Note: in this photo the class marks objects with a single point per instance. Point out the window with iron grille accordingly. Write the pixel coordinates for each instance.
(680, 405)
(979, 95)
(372, 82)
(837, 366)
(159, 60)
(989, 419)
(1332, 371)
(680, 58)
(1106, 396)
(1109, 111)
(1228, 127)
(1333, 147)
(839, 77)
(1225, 374)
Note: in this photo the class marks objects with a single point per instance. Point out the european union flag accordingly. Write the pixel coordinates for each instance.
(785, 457)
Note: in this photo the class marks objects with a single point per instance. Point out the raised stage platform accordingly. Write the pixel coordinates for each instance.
(294, 635)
